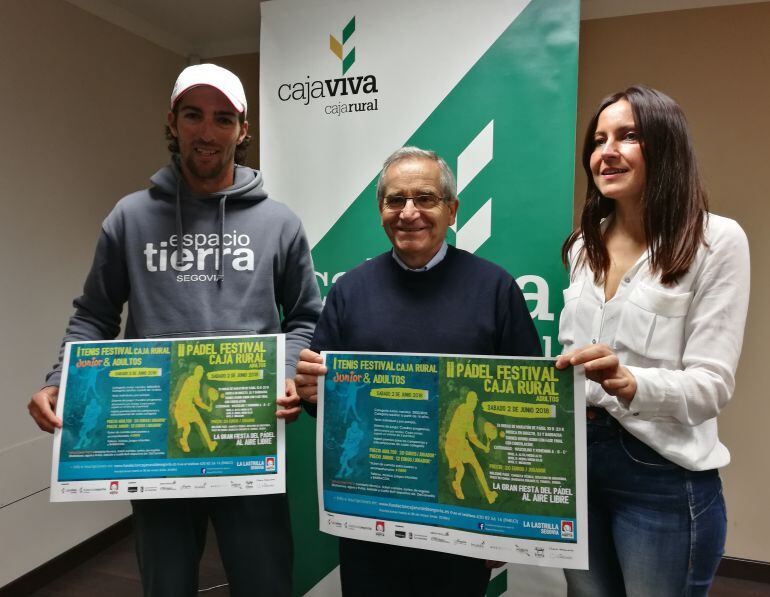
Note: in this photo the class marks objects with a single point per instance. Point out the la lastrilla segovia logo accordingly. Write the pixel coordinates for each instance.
(338, 49)
(343, 90)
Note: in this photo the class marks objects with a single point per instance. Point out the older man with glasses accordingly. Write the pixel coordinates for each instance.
(421, 296)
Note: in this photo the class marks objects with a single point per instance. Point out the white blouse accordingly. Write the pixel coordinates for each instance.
(681, 343)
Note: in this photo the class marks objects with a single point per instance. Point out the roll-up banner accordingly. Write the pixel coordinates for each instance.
(490, 85)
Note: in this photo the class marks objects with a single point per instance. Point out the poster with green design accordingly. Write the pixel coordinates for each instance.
(491, 85)
(188, 417)
(525, 412)
(473, 455)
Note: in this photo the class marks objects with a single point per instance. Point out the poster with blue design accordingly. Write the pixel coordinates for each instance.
(170, 418)
(480, 456)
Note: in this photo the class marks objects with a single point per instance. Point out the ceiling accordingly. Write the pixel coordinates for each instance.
(203, 28)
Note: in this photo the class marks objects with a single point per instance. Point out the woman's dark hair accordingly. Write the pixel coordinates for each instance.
(240, 149)
(674, 202)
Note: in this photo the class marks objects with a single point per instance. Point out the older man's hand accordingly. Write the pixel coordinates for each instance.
(309, 368)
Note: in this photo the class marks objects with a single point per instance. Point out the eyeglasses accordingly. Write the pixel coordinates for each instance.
(420, 202)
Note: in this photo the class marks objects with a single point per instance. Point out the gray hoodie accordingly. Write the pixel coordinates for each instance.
(243, 266)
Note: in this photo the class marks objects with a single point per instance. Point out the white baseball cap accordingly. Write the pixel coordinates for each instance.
(214, 76)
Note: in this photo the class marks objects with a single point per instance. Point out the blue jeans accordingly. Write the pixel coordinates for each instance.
(654, 528)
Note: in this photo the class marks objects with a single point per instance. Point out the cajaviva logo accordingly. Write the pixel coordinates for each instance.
(338, 49)
(343, 90)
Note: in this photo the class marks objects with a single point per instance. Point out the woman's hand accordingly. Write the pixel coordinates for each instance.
(602, 366)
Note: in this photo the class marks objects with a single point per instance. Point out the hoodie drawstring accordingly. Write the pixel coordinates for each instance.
(179, 230)
(220, 265)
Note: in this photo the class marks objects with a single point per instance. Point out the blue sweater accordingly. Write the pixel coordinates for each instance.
(464, 305)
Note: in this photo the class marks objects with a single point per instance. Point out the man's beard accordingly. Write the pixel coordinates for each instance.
(212, 171)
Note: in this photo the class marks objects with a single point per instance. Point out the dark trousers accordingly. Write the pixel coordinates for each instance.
(380, 570)
(253, 533)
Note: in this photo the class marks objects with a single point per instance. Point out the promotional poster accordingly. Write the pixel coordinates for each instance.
(477, 456)
(190, 417)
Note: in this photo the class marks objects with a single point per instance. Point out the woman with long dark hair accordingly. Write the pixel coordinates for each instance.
(655, 312)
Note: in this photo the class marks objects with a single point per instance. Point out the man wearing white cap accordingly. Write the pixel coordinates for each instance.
(203, 251)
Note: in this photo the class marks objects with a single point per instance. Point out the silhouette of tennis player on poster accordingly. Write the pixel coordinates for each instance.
(186, 412)
(459, 452)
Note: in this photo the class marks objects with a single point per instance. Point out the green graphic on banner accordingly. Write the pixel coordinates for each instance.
(513, 113)
(338, 50)
(498, 585)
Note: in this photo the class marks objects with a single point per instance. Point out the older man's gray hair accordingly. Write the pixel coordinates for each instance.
(446, 177)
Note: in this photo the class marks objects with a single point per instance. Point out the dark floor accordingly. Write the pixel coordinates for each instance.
(114, 572)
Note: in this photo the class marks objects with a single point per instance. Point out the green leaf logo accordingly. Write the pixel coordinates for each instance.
(337, 48)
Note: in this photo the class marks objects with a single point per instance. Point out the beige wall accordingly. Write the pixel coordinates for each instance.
(83, 106)
(714, 62)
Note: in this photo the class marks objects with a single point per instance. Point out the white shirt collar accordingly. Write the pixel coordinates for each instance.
(437, 258)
